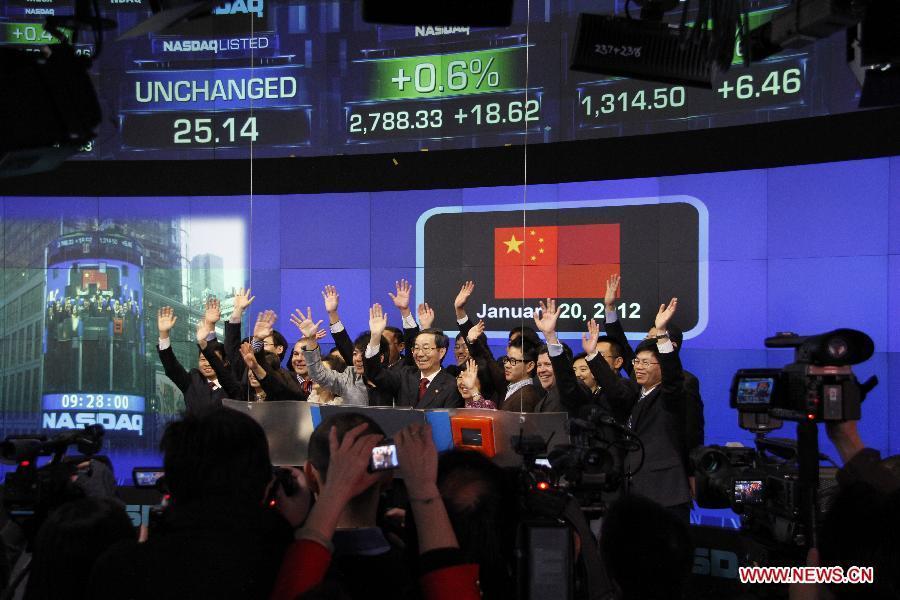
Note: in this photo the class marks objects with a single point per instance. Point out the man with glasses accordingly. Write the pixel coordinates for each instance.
(519, 366)
(694, 422)
(657, 418)
(422, 385)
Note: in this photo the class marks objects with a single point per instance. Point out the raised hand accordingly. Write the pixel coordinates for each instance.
(348, 473)
(401, 298)
(546, 322)
(242, 299)
(305, 323)
(470, 376)
(213, 311)
(331, 297)
(203, 330)
(248, 356)
(165, 321)
(476, 332)
(294, 508)
(612, 291)
(463, 296)
(265, 322)
(426, 316)
(589, 339)
(418, 460)
(377, 321)
(665, 315)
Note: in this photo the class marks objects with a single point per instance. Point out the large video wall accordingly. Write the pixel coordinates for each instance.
(749, 253)
(280, 78)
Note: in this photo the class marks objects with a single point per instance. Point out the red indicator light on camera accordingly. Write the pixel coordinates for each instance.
(25, 463)
(543, 486)
(271, 503)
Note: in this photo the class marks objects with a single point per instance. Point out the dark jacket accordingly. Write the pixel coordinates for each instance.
(694, 423)
(198, 397)
(206, 549)
(403, 384)
(568, 394)
(344, 345)
(524, 399)
(658, 420)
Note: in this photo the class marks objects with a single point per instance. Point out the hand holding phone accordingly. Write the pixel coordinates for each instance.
(384, 457)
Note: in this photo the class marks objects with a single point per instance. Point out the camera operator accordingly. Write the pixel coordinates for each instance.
(646, 549)
(862, 527)
(68, 544)
(217, 538)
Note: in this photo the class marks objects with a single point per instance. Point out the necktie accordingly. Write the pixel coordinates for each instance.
(423, 385)
(212, 384)
(306, 385)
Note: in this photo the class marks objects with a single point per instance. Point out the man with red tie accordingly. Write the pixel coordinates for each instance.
(425, 384)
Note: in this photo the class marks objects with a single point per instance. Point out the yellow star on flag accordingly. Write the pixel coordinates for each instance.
(512, 245)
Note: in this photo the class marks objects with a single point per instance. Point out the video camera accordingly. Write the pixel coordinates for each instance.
(31, 492)
(592, 467)
(763, 486)
(780, 489)
(551, 516)
(818, 386)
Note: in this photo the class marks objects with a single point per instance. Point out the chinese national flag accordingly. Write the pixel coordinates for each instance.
(89, 277)
(557, 261)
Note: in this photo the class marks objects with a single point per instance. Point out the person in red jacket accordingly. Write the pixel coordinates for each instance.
(444, 573)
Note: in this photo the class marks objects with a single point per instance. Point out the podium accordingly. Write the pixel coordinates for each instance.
(289, 424)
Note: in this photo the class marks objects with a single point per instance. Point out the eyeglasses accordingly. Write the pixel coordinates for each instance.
(512, 361)
(424, 349)
(643, 363)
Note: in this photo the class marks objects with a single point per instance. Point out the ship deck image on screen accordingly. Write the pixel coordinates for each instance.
(93, 335)
(567, 251)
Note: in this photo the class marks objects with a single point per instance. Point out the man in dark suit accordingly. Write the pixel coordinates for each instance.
(204, 387)
(693, 419)
(563, 392)
(658, 419)
(425, 384)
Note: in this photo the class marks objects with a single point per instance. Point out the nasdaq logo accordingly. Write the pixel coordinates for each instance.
(244, 7)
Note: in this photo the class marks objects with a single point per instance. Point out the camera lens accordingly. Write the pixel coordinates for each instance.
(837, 347)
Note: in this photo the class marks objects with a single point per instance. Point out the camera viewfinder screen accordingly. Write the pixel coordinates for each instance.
(748, 492)
(755, 390)
(147, 478)
(384, 457)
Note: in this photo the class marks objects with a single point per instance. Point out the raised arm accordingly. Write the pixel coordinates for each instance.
(309, 329)
(165, 321)
(342, 340)
(620, 395)
(493, 377)
(242, 300)
(669, 363)
(613, 327)
(223, 374)
(384, 379)
(571, 394)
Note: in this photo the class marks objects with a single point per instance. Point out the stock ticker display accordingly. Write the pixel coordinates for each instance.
(292, 78)
(82, 279)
